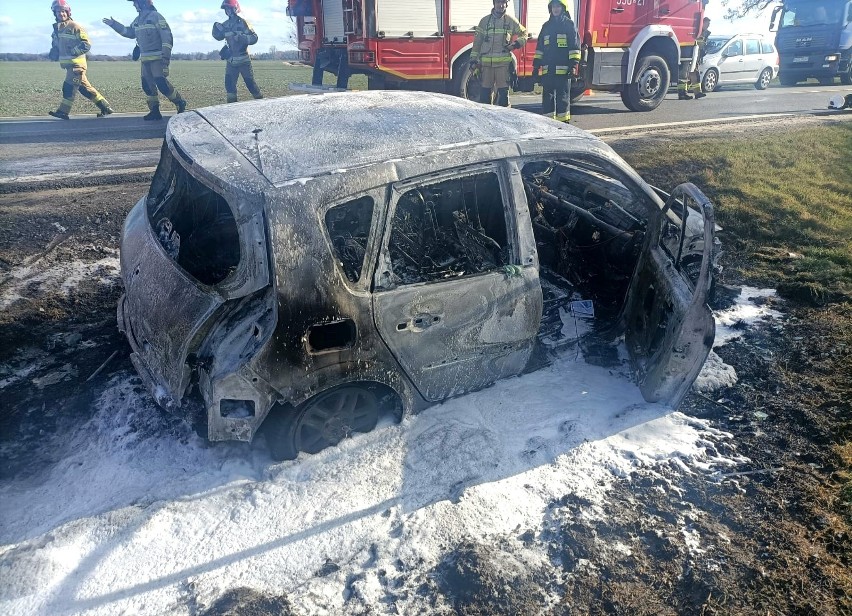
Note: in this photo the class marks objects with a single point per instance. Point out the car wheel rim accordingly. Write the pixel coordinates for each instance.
(764, 79)
(334, 416)
(710, 81)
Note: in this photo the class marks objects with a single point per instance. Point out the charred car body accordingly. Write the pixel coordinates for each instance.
(325, 256)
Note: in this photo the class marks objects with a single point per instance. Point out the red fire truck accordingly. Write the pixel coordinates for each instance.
(629, 46)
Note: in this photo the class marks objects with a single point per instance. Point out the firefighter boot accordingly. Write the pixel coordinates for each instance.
(154, 114)
(59, 114)
(105, 109)
(699, 94)
(485, 96)
(181, 105)
(683, 96)
(503, 97)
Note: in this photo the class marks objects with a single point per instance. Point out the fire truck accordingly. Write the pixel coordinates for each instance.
(629, 46)
(320, 37)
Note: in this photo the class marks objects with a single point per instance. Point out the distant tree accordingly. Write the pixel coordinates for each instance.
(740, 8)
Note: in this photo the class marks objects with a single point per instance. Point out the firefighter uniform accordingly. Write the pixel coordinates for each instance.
(558, 53)
(238, 35)
(70, 44)
(492, 51)
(689, 78)
(154, 40)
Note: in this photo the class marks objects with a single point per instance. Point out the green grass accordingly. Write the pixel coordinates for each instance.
(784, 199)
(34, 88)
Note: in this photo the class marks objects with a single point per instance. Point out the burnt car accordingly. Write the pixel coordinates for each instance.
(321, 259)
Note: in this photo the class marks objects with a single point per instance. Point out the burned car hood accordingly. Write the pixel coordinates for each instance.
(390, 125)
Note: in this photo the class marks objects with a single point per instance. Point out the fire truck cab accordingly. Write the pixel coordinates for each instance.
(630, 46)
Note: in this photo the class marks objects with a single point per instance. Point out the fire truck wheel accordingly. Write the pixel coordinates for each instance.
(465, 84)
(649, 86)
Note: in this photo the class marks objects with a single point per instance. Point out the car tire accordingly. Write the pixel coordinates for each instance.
(329, 417)
(710, 81)
(278, 430)
(786, 80)
(763, 81)
(649, 88)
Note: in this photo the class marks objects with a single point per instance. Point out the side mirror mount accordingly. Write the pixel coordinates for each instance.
(775, 11)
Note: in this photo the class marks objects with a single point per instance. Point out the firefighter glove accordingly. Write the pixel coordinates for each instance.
(53, 55)
(572, 67)
(535, 74)
(136, 53)
(225, 52)
(474, 65)
(165, 70)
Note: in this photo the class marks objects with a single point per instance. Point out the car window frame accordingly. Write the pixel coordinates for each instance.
(379, 194)
(380, 282)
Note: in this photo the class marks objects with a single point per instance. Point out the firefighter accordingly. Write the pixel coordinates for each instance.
(558, 52)
(238, 35)
(69, 46)
(491, 55)
(154, 47)
(689, 78)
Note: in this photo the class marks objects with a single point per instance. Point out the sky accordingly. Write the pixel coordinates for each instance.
(134, 513)
(28, 31)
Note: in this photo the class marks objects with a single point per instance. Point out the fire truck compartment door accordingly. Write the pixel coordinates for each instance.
(332, 21)
(396, 18)
(465, 16)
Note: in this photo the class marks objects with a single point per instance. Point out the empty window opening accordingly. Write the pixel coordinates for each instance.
(589, 230)
(335, 335)
(236, 409)
(449, 229)
(348, 226)
(194, 224)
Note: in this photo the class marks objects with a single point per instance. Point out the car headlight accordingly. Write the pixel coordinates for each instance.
(832, 58)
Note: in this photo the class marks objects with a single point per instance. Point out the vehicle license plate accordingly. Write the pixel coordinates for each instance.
(309, 29)
(800, 59)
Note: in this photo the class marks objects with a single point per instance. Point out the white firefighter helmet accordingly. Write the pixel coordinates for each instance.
(836, 102)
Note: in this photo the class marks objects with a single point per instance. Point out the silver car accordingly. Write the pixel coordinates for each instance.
(744, 58)
(323, 259)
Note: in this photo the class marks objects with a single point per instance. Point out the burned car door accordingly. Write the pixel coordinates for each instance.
(450, 299)
(669, 328)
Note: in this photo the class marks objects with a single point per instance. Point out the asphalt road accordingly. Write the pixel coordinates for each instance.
(42, 149)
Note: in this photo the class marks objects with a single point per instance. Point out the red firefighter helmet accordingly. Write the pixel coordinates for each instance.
(60, 5)
(231, 4)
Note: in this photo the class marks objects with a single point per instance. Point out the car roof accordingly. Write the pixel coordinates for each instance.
(302, 136)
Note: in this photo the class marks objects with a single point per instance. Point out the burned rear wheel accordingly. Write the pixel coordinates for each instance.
(326, 419)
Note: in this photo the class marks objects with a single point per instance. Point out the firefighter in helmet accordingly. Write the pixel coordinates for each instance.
(154, 44)
(70, 44)
(689, 77)
(558, 53)
(238, 35)
(496, 36)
